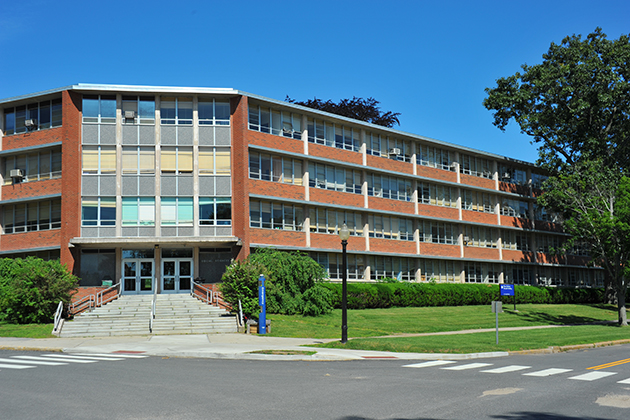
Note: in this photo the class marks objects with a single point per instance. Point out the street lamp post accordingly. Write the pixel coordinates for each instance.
(344, 234)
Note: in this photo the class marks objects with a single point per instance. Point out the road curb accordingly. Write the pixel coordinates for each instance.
(561, 349)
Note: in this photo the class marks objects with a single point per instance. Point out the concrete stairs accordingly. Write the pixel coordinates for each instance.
(130, 314)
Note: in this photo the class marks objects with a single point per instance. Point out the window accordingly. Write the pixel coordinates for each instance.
(40, 116)
(515, 240)
(538, 180)
(138, 211)
(334, 178)
(480, 236)
(436, 232)
(478, 201)
(213, 112)
(514, 208)
(434, 157)
(549, 244)
(279, 123)
(33, 216)
(332, 263)
(214, 161)
(138, 110)
(276, 168)
(540, 213)
(476, 166)
(99, 109)
(176, 111)
(177, 160)
(215, 211)
(388, 147)
(177, 211)
(99, 160)
(389, 187)
(334, 135)
(518, 275)
(36, 166)
(482, 273)
(263, 214)
(438, 271)
(98, 211)
(437, 195)
(330, 221)
(402, 269)
(512, 175)
(390, 227)
(138, 160)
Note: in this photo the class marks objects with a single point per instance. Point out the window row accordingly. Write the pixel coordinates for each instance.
(478, 201)
(437, 195)
(476, 166)
(36, 166)
(389, 187)
(141, 110)
(275, 168)
(334, 178)
(33, 216)
(388, 147)
(333, 135)
(140, 211)
(31, 117)
(279, 123)
(141, 160)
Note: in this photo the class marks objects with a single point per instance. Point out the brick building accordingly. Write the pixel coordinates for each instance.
(156, 186)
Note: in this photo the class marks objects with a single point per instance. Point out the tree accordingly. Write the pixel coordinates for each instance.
(293, 283)
(357, 108)
(31, 288)
(576, 107)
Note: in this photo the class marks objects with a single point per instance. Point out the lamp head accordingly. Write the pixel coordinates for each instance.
(344, 233)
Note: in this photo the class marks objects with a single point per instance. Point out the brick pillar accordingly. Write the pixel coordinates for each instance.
(240, 179)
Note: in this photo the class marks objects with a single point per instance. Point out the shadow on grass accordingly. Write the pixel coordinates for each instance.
(538, 317)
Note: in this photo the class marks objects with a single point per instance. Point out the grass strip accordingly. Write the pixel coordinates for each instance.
(486, 342)
(26, 330)
(379, 322)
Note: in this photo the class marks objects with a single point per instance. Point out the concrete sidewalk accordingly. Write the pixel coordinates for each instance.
(218, 346)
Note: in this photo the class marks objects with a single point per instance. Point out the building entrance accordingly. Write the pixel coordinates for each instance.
(138, 276)
(177, 275)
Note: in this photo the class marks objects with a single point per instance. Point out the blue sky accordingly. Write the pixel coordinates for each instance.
(428, 60)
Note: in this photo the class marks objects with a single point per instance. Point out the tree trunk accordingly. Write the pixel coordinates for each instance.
(621, 306)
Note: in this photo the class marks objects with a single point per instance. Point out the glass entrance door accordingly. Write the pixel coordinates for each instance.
(177, 275)
(137, 276)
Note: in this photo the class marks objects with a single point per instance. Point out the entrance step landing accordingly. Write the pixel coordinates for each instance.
(130, 315)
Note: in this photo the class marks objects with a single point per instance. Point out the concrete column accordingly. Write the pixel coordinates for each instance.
(363, 147)
(195, 173)
(305, 134)
(118, 164)
(158, 167)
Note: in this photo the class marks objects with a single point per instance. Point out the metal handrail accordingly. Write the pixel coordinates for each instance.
(58, 317)
(209, 293)
(100, 301)
(152, 317)
(86, 302)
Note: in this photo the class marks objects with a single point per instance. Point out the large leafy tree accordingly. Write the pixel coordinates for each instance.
(576, 107)
(357, 108)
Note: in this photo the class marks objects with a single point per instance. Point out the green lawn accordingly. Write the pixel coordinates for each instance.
(27, 330)
(378, 322)
(486, 342)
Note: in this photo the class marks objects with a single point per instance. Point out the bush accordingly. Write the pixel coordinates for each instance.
(31, 288)
(387, 295)
(293, 284)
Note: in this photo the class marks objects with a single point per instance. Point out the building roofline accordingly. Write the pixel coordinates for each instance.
(229, 91)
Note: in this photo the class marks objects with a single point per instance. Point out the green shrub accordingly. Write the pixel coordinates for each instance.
(387, 295)
(31, 289)
(293, 282)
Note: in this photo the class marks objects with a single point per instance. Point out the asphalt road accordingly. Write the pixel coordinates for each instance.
(547, 387)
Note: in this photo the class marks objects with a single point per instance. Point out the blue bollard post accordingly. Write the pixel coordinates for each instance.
(262, 301)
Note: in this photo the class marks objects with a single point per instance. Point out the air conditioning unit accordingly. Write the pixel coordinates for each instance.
(395, 151)
(130, 115)
(506, 175)
(16, 173)
(30, 123)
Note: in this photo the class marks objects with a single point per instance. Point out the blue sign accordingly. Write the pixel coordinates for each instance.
(507, 289)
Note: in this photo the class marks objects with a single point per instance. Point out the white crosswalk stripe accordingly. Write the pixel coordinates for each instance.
(547, 372)
(111, 355)
(505, 369)
(34, 362)
(431, 363)
(592, 376)
(67, 356)
(467, 366)
(55, 359)
(4, 366)
(625, 381)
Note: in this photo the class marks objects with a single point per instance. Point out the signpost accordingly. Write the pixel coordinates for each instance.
(262, 318)
(497, 306)
(508, 290)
